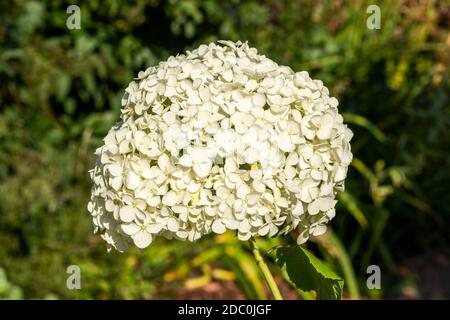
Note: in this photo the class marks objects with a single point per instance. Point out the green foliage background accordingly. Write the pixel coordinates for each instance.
(60, 92)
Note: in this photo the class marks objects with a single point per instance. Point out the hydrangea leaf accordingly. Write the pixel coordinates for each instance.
(307, 273)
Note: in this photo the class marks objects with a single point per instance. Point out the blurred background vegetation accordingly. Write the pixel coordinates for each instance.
(60, 92)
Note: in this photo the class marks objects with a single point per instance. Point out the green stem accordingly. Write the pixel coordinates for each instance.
(265, 270)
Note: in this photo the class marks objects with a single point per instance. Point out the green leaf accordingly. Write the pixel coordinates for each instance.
(331, 243)
(308, 273)
(351, 203)
(363, 122)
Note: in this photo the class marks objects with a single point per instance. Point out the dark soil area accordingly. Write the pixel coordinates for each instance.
(430, 274)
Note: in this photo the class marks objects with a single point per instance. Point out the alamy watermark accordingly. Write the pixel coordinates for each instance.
(73, 281)
(374, 19)
(74, 20)
(374, 279)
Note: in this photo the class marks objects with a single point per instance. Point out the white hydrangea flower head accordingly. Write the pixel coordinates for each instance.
(220, 138)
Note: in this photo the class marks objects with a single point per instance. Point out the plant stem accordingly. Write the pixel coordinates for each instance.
(265, 270)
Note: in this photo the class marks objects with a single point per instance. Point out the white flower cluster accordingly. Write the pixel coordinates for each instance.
(220, 138)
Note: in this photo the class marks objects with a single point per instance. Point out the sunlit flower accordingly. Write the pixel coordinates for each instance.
(220, 138)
